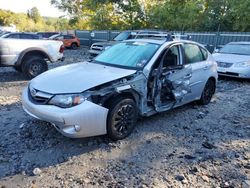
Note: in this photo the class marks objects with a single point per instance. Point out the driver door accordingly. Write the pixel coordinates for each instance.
(173, 81)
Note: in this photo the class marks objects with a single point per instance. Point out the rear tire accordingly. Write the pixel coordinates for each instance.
(208, 92)
(122, 117)
(74, 46)
(33, 66)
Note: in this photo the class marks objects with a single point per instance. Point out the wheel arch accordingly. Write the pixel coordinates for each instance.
(214, 81)
(131, 94)
(32, 52)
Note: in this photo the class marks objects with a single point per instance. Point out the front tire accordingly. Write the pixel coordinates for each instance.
(34, 66)
(208, 92)
(122, 117)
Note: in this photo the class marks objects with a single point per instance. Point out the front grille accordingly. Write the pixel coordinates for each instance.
(97, 47)
(229, 73)
(224, 64)
(39, 97)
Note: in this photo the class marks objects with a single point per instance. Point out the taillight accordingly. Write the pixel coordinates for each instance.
(61, 49)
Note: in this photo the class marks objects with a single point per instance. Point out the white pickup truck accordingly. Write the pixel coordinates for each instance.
(30, 56)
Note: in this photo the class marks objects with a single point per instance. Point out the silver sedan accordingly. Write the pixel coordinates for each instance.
(234, 60)
(139, 77)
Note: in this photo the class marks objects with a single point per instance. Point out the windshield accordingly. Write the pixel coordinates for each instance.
(4, 35)
(241, 49)
(128, 54)
(122, 36)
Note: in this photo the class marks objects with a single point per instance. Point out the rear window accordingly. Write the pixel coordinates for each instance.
(12, 36)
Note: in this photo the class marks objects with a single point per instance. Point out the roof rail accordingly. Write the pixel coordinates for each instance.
(156, 36)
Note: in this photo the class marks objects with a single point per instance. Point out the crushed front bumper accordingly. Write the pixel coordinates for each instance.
(84, 120)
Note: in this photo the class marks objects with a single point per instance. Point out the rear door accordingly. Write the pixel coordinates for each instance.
(197, 60)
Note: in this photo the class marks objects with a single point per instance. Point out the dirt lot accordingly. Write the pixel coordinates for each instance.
(192, 146)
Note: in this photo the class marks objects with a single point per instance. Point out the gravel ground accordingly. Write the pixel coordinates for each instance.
(191, 146)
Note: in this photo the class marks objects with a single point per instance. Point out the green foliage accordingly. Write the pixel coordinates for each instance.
(198, 15)
(34, 14)
(32, 21)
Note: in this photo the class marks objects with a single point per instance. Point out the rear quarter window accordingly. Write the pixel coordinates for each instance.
(204, 53)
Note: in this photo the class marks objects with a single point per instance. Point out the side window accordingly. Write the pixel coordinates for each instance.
(25, 36)
(193, 53)
(68, 37)
(13, 36)
(172, 57)
(205, 53)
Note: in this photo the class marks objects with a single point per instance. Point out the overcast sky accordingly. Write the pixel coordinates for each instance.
(44, 6)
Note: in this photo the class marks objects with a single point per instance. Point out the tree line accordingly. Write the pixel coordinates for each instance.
(195, 15)
(181, 15)
(32, 21)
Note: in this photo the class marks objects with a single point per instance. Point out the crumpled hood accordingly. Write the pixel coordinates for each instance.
(76, 78)
(230, 58)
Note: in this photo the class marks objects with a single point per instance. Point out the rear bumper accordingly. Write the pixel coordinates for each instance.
(84, 120)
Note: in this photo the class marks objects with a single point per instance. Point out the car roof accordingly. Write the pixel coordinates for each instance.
(160, 42)
(240, 43)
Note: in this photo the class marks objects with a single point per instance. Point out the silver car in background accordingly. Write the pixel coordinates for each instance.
(234, 60)
(138, 77)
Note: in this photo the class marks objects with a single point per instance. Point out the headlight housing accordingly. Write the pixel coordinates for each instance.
(67, 101)
(243, 64)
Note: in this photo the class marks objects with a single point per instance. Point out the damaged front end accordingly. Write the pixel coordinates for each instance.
(164, 89)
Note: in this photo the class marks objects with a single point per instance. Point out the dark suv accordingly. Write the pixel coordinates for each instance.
(20, 36)
(46, 35)
(99, 47)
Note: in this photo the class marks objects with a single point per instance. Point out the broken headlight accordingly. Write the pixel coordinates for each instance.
(67, 101)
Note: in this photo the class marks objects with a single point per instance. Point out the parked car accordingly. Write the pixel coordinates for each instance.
(138, 77)
(46, 35)
(18, 35)
(99, 47)
(69, 41)
(29, 56)
(234, 59)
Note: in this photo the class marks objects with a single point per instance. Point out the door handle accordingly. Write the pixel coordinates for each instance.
(188, 76)
(206, 67)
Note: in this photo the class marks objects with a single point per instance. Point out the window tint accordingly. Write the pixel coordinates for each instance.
(193, 53)
(13, 36)
(26, 36)
(68, 37)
